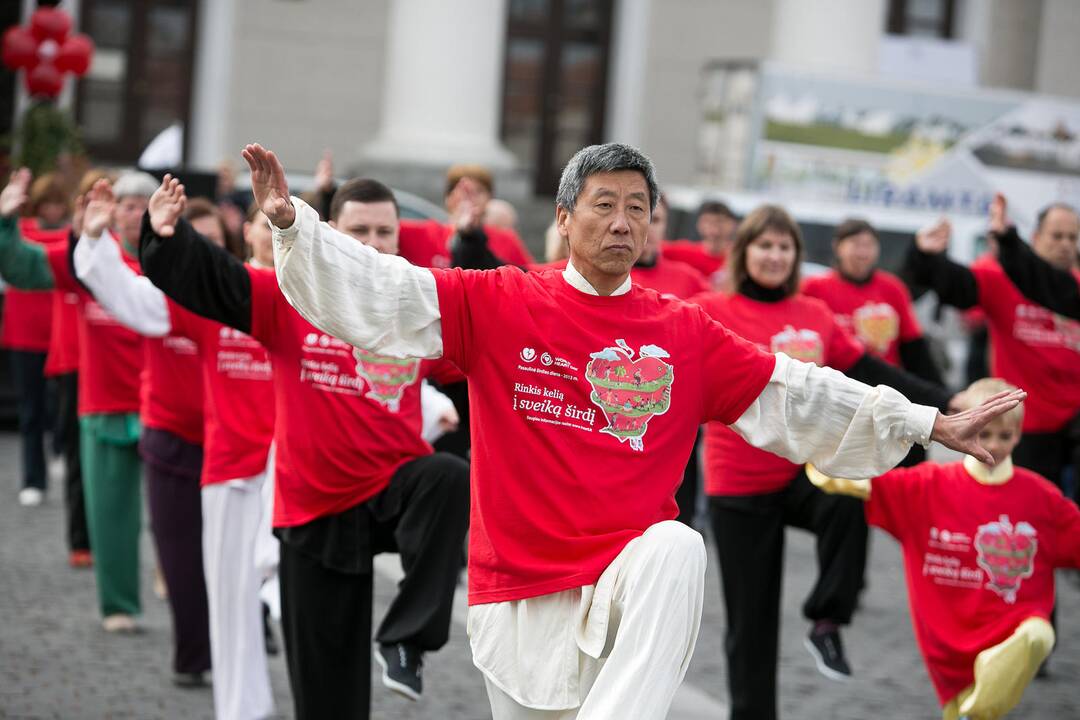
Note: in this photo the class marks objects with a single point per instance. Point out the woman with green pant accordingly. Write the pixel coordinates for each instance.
(110, 361)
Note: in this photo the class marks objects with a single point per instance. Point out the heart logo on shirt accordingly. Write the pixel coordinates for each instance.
(877, 325)
(628, 391)
(1007, 554)
(803, 344)
(528, 354)
(387, 377)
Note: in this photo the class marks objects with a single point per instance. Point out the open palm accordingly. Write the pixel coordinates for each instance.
(100, 204)
(268, 185)
(15, 193)
(166, 205)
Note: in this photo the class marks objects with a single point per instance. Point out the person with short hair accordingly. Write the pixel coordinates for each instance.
(980, 544)
(754, 495)
(353, 475)
(111, 360)
(585, 597)
(716, 224)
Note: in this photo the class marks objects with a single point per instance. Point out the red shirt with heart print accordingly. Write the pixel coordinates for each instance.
(800, 327)
(584, 411)
(979, 558)
(878, 312)
(343, 426)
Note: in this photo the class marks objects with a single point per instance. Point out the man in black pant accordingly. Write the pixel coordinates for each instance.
(353, 477)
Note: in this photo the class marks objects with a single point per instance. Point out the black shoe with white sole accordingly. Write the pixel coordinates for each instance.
(402, 667)
(828, 652)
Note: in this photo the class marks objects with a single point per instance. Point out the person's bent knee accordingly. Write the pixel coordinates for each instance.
(676, 538)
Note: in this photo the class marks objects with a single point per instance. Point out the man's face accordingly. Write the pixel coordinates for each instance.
(717, 230)
(260, 238)
(1000, 437)
(654, 238)
(374, 224)
(607, 229)
(857, 255)
(128, 217)
(1056, 241)
(209, 227)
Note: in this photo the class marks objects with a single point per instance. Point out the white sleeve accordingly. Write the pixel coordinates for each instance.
(129, 297)
(433, 404)
(378, 302)
(845, 428)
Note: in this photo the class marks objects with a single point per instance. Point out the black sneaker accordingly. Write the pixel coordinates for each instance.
(272, 647)
(402, 667)
(828, 653)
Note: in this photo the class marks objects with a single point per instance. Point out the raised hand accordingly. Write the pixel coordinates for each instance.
(324, 173)
(269, 186)
(166, 205)
(934, 239)
(100, 203)
(466, 199)
(16, 193)
(960, 432)
(999, 218)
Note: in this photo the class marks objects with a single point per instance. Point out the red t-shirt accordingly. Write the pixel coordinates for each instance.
(1032, 348)
(171, 396)
(63, 354)
(27, 317)
(239, 397)
(878, 312)
(800, 327)
(426, 243)
(671, 278)
(343, 427)
(584, 410)
(110, 356)
(979, 559)
(694, 254)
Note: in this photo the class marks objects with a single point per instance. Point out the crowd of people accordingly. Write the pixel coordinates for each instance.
(304, 383)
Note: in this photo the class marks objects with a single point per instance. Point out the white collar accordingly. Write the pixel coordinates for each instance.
(578, 282)
(997, 475)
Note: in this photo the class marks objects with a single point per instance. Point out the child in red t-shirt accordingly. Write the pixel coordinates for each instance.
(980, 548)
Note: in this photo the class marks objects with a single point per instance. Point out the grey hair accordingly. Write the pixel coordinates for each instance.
(135, 183)
(609, 157)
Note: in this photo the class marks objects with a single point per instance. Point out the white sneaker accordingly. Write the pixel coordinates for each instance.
(30, 497)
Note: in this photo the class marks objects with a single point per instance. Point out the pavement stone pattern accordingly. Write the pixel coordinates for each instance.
(57, 662)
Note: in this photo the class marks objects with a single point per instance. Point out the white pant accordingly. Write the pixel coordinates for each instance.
(232, 522)
(647, 605)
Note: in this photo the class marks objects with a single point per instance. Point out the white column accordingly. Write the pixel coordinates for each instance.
(211, 85)
(443, 81)
(829, 35)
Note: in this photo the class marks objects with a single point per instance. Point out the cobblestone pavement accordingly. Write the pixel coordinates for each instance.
(56, 662)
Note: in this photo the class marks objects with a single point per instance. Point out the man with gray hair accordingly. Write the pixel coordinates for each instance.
(586, 392)
(110, 362)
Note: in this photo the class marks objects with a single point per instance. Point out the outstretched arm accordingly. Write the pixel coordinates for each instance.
(23, 265)
(187, 267)
(373, 301)
(847, 429)
(130, 298)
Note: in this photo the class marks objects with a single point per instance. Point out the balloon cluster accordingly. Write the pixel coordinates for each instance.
(46, 51)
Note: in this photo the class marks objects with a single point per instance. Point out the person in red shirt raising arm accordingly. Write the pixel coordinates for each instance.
(352, 475)
(587, 393)
(1031, 347)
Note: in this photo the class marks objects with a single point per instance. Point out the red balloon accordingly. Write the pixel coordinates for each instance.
(50, 24)
(44, 80)
(20, 48)
(74, 55)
